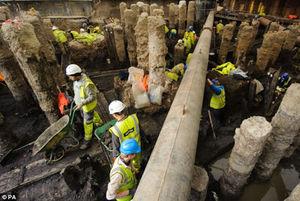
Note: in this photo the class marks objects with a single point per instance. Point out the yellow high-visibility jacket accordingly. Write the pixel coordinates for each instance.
(219, 27)
(218, 101)
(224, 68)
(60, 36)
(129, 180)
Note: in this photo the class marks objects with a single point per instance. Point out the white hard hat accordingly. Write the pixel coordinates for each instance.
(81, 30)
(73, 69)
(179, 41)
(54, 28)
(116, 106)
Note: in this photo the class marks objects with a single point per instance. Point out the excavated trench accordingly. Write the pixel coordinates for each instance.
(78, 182)
(214, 154)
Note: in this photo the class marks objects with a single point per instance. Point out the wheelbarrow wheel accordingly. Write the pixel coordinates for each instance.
(55, 155)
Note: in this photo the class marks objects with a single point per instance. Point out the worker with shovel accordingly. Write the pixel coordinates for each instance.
(123, 181)
(217, 102)
(126, 127)
(85, 97)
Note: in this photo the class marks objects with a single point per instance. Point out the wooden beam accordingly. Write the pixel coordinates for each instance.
(38, 170)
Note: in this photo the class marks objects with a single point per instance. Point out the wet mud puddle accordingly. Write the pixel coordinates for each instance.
(277, 188)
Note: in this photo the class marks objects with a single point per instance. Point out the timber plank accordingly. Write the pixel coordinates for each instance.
(39, 170)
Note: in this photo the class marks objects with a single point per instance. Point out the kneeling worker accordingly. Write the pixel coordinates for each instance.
(127, 127)
(123, 182)
(85, 97)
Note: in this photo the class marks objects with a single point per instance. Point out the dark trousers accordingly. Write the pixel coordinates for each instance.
(217, 117)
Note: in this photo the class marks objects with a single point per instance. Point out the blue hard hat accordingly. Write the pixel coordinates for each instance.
(130, 146)
(284, 76)
(215, 81)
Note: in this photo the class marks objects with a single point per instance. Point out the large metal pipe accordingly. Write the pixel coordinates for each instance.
(168, 174)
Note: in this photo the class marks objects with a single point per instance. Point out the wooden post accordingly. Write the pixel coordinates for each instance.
(26, 47)
(14, 78)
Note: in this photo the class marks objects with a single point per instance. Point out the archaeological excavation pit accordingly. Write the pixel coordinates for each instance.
(214, 84)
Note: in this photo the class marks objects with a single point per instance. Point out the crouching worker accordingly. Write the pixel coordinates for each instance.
(176, 71)
(85, 97)
(127, 127)
(123, 182)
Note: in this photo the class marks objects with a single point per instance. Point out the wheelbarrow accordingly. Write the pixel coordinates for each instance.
(57, 139)
(99, 133)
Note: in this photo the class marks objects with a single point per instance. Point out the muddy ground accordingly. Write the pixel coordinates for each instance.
(21, 129)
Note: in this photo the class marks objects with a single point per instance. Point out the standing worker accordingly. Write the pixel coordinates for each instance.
(85, 97)
(61, 47)
(220, 27)
(127, 127)
(123, 181)
(189, 39)
(217, 101)
(191, 35)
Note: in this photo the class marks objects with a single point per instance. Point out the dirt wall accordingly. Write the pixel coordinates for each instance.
(55, 7)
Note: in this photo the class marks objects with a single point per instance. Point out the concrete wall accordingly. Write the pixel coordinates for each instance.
(106, 8)
(111, 8)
